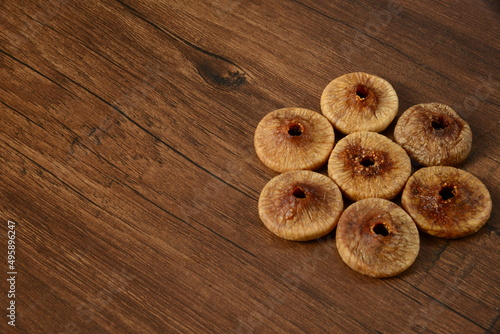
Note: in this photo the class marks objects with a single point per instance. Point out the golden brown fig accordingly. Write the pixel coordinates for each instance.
(446, 202)
(434, 134)
(367, 164)
(377, 238)
(300, 205)
(293, 138)
(359, 102)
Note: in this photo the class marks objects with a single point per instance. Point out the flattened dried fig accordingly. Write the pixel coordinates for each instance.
(446, 202)
(377, 238)
(359, 102)
(434, 134)
(367, 164)
(293, 138)
(300, 205)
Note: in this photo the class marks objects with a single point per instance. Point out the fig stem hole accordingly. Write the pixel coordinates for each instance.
(298, 192)
(295, 129)
(447, 192)
(362, 92)
(439, 124)
(380, 229)
(367, 162)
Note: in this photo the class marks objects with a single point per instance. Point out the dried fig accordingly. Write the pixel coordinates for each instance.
(293, 138)
(367, 164)
(377, 238)
(300, 205)
(434, 134)
(446, 201)
(359, 102)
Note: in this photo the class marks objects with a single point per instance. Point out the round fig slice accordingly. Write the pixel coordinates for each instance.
(294, 138)
(376, 237)
(434, 134)
(300, 205)
(368, 164)
(446, 202)
(359, 102)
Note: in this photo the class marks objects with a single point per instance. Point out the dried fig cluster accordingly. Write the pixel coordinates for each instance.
(374, 235)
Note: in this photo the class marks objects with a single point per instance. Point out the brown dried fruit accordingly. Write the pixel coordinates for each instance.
(293, 138)
(446, 202)
(434, 134)
(377, 238)
(367, 164)
(359, 102)
(300, 205)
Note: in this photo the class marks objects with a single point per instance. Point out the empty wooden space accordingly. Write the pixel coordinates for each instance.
(127, 163)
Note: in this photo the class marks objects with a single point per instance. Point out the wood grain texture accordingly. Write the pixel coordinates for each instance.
(127, 161)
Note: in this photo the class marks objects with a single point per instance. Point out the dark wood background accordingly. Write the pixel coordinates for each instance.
(127, 162)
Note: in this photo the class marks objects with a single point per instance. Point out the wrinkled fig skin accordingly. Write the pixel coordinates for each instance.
(359, 102)
(294, 138)
(433, 134)
(300, 205)
(446, 202)
(377, 238)
(367, 164)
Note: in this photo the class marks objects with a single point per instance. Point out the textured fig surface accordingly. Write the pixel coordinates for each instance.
(446, 201)
(300, 205)
(293, 138)
(367, 164)
(377, 238)
(359, 102)
(434, 134)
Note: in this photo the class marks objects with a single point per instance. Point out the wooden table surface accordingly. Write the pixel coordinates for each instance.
(127, 164)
